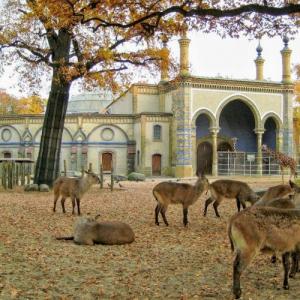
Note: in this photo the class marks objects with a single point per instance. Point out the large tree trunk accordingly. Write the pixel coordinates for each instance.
(47, 167)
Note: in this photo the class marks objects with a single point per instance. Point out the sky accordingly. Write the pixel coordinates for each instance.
(210, 56)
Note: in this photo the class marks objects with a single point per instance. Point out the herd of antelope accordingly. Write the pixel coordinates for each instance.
(271, 223)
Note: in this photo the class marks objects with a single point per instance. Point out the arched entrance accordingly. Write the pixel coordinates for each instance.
(204, 158)
(106, 161)
(156, 164)
(269, 136)
(237, 121)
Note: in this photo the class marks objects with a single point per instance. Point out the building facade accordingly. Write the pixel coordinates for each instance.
(176, 127)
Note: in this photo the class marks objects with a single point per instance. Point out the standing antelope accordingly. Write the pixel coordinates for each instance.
(74, 188)
(263, 229)
(228, 189)
(167, 193)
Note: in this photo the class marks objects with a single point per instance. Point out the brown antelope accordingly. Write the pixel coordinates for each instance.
(228, 189)
(280, 196)
(276, 192)
(263, 229)
(74, 188)
(87, 231)
(167, 193)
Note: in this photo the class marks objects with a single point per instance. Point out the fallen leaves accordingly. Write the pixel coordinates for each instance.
(163, 263)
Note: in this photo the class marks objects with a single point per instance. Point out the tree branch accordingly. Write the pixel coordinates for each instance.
(201, 12)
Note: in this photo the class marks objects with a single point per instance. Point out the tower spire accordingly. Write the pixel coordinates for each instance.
(286, 61)
(259, 62)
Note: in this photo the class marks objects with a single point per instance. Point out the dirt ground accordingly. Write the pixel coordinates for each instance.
(163, 263)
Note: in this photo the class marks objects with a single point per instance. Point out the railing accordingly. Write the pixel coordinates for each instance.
(245, 164)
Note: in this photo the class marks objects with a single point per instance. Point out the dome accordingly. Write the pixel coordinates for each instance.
(89, 102)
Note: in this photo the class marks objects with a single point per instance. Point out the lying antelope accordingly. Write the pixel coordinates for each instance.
(263, 229)
(228, 189)
(87, 231)
(167, 193)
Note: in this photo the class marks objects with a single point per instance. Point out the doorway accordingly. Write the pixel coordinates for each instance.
(156, 164)
(106, 161)
(204, 158)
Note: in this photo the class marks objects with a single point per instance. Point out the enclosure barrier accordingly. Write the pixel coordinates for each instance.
(248, 164)
(15, 171)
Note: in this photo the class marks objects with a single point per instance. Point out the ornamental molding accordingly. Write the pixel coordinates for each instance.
(227, 84)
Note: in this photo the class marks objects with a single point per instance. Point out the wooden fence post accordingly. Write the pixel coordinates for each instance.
(101, 177)
(112, 179)
(90, 167)
(65, 167)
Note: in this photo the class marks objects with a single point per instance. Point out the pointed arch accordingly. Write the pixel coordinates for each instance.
(208, 113)
(275, 117)
(252, 106)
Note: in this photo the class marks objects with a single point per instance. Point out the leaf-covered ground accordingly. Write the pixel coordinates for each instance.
(163, 263)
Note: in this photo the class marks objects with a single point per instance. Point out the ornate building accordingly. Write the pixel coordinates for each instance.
(175, 127)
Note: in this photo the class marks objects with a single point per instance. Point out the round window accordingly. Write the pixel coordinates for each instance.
(6, 135)
(107, 134)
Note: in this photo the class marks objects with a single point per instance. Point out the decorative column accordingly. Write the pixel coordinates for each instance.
(279, 140)
(259, 62)
(214, 136)
(286, 61)
(143, 143)
(184, 55)
(259, 134)
(287, 143)
(182, 131)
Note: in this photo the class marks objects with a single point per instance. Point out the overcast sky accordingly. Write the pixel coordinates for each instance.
(212, 56)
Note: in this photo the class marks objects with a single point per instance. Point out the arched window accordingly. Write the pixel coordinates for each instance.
(157, 132)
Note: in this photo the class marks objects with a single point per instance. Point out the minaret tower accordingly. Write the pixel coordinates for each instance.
(286, 61)
(164, 67)
(259, 62)
(184, 43)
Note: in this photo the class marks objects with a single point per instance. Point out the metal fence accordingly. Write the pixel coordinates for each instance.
(245, 164)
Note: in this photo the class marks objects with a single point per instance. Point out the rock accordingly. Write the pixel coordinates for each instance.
(31, 187)
(44, 188)
(134, 176)
(120, 178)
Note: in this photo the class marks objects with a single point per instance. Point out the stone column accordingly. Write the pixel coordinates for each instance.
(286, 62)
(184, 56)
(214, 139)
(259, 134)
(279, 140)
(259, 62)
(143, 143)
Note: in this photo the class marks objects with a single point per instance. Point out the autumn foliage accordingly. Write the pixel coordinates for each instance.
(10, 105)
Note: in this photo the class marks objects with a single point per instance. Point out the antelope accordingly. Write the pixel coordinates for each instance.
(87, 231)
(167, 193)
(276, 192)
(74, 188)
(264, 229)
(228, 189)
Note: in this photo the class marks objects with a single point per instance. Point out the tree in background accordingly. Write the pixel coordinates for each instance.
(8, 103)
(104, 41)
(31, 105)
